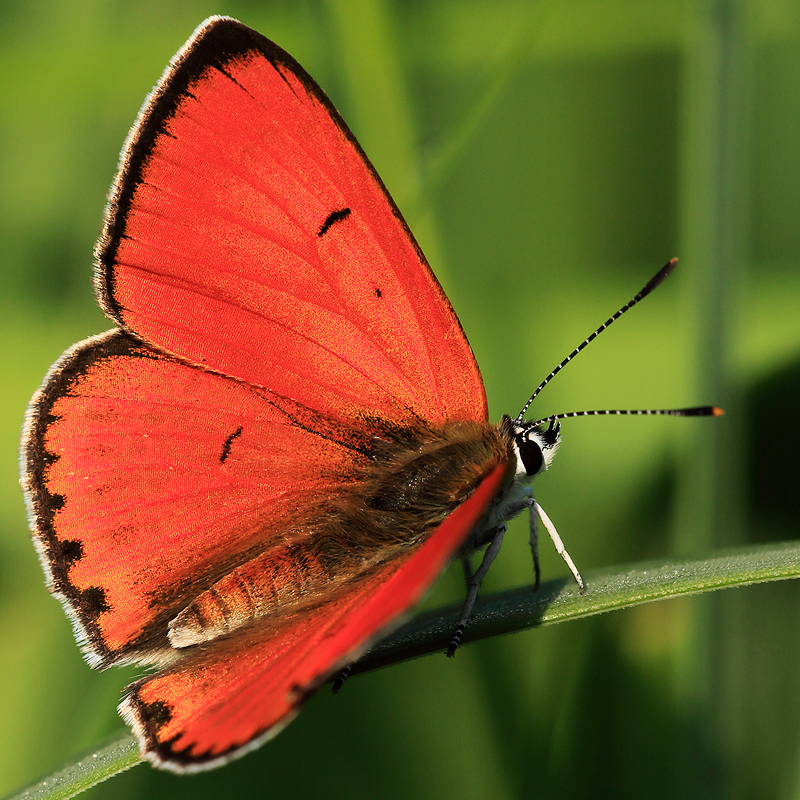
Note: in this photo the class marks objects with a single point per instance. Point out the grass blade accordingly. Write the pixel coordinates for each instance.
(500, 613)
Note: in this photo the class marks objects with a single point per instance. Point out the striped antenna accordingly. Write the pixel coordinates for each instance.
(696, 411)
(657, 279)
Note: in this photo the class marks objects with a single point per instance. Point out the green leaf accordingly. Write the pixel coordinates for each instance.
(91, 768)
(606, 590)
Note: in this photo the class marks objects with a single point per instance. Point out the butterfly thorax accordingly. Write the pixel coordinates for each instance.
(415, 484)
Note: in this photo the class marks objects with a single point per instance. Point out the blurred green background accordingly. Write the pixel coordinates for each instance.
(549, 157)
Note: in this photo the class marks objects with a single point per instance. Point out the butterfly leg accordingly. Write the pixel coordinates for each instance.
(559, 545)
(466, 563)
(339, 680)
(473, 584)
(530, 504)
(534, 540)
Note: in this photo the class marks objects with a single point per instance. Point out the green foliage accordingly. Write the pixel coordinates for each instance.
(549, 157)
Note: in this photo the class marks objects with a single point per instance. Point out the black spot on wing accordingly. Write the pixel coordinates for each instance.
(157, 714)
(92, 602)
(66, 552)
(333, 217)
(226, 448)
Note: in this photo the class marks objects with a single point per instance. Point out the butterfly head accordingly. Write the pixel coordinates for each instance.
(534, 446)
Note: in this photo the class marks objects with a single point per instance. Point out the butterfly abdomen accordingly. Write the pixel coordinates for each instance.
(279, 578)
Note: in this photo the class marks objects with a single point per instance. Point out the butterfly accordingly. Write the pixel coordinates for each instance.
(284, 439)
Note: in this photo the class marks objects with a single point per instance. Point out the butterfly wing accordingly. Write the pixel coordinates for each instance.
(276, 314)
(247, 232)
(227, 243)
(223, 700)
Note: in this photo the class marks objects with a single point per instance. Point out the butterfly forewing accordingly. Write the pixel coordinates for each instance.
(248, 233)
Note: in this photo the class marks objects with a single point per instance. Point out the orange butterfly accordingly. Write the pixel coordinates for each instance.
(285, 440)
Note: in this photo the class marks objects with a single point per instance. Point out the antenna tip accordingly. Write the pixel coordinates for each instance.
(666, 270)
(717, 412)
(659, 277)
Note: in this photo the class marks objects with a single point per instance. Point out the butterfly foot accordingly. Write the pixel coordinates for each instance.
(339, 680)
(455, 641)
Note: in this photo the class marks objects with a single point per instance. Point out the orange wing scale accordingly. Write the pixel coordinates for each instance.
(166, 477)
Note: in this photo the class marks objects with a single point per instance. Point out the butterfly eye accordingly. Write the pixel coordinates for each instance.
(531, 455)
